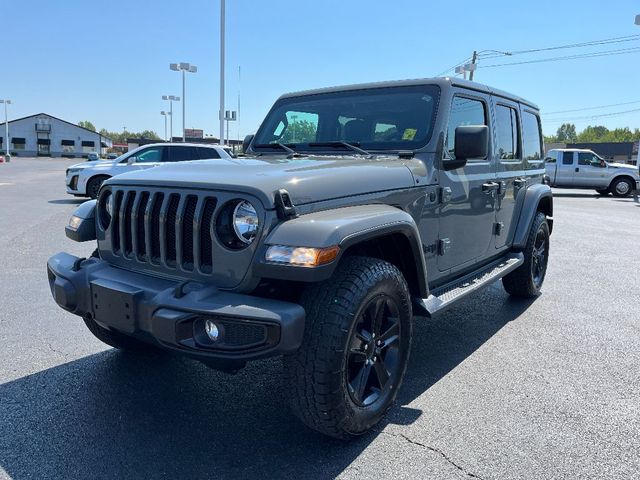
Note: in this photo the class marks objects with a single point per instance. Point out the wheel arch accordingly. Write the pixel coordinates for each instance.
(621, 176)
(538, 198)
(379, 231)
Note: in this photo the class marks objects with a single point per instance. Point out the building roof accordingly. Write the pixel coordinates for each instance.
(59, 119)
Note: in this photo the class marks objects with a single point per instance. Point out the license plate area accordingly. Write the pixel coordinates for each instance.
(114, 304)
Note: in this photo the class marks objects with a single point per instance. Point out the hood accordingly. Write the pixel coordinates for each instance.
(307, 179)
(625, 166)
(93, 163)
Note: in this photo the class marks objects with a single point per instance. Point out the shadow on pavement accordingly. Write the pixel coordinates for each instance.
(114, 415)
(68, 201)
(578, 195)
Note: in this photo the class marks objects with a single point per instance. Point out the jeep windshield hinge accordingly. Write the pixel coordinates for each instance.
(445, 195)
(284, 207)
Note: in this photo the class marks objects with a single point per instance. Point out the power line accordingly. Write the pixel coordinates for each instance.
(567, 57)
(590, 117)
(590, 108)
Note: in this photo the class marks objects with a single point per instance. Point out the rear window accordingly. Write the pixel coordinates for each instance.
(531, 136)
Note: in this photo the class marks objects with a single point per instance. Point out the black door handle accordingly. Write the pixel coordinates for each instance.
(577, 169)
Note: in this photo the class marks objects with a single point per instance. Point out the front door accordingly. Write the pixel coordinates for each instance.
(468, 194)
(591, 171)
(510, 168)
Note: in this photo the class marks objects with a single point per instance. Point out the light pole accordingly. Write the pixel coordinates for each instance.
(222, 71)
(7, 154)
(183, 67)
(171, 98)
(165, 115)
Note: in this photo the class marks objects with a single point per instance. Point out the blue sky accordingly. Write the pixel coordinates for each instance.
(108, 62)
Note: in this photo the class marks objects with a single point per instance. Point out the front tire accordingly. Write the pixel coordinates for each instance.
(526, 280)
(355, 350)
(622, 187)
(94, 184)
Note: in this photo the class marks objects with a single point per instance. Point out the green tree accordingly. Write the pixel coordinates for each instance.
(593, 134)
(300, 131)
(566, 133)
(87, 124)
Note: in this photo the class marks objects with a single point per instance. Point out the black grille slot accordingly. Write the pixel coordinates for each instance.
(187, 231)
(206, 242)
(115, 222)
(170, 237)
(142, 207)
(128, 207)
(242, 334)
(155, 226)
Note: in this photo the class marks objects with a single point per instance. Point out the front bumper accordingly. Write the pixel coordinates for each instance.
(171, 314)
(75, 185)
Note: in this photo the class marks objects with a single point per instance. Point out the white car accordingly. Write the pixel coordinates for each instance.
(85, 179)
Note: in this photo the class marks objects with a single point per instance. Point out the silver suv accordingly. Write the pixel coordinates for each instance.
(85, 179)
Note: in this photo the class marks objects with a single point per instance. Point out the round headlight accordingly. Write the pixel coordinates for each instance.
(245, 222)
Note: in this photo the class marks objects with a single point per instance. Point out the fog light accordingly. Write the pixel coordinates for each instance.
(213, 332)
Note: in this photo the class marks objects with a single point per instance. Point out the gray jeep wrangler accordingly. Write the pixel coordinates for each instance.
(354, 209)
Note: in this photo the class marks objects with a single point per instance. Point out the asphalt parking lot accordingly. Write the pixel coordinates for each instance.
(496, 388)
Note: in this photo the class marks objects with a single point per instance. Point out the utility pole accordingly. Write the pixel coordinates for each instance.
(474, 59)
(222, 72)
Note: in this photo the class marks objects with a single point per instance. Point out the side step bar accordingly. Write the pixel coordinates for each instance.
(446, 295)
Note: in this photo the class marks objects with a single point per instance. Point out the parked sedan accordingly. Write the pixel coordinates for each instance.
(85, 179)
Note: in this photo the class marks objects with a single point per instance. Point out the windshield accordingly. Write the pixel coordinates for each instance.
(391, 118)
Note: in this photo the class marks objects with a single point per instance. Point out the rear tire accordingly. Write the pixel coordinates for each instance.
(118, 340)
(526, 281)
(94, 184)
(355, 350)
(622, 187)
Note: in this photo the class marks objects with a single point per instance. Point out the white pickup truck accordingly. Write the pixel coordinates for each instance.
(577, 168)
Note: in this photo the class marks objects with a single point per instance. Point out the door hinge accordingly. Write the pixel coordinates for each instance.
(445, 195)
(498, 228)
(444, 245)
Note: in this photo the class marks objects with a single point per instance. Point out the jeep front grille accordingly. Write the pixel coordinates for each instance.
(166, 229)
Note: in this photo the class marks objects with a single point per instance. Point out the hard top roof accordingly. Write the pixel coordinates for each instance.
(440, 81)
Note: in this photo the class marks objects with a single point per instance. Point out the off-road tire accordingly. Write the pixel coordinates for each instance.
(118, 340)
(603, 192)
(618, 181)
(93, 185)
(522, 281)
(317, 374)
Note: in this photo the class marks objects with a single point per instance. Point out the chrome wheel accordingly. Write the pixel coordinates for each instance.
(622, 188)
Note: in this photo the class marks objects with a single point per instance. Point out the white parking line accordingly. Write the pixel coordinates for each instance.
(1, 184)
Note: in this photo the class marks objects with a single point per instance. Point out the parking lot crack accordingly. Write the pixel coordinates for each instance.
(437, 451)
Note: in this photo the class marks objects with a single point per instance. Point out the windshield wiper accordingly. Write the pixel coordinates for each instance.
(339, 143)
(292, 153)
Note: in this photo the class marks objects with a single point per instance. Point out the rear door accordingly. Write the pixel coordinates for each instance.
(182, 153)
(591, 171)
(467, 212)
(510, 168)
(566, 167)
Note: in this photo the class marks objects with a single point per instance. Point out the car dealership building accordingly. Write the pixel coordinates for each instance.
(48, 136)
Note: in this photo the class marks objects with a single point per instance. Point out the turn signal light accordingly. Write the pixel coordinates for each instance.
(301, 256)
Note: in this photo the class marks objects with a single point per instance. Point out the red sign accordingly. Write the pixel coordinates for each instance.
(193, 133)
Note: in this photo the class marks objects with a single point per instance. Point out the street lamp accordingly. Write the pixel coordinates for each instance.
(183, 67)
(7, 155)
(171, 98)
(165, 115)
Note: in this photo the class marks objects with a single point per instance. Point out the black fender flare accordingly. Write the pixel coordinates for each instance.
(345, 227)
(537, 198)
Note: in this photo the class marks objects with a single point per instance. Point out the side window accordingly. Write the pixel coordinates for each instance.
(204, 153)
(150, 155)
(590, 160)
(551, 157)
(507, 129)
(181, 154)
(567, 158)
(464, 111)
(531, 136)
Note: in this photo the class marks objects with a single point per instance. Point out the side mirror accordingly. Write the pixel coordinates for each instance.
(471, 141)
(131, 160)
(246, 142)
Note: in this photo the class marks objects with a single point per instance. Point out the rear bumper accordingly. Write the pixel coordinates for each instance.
(172, 314)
